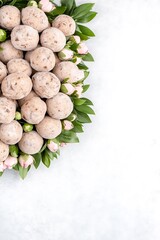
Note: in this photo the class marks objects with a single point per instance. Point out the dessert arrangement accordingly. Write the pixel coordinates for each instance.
(43, 55)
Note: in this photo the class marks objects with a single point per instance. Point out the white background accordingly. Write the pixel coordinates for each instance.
(108, 186)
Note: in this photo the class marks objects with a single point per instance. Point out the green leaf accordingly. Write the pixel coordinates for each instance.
(69, 4)
(85, 88)
(85, 109)
(83, 117)
(23, 172)
(58, 11)
(82, 66)
(86, 31)
(1, 173)
(46, 159)
(88, 58)
(82, 10)
(79, 101)
(38, 159)
(43, 148)
(82, 36)
(87, 101)
(78, 127)
(68, 137)
(87, 18)
(50, 154)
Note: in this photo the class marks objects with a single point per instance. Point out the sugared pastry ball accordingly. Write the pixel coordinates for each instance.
(9, 17)
(4, 151)
(49, 128)
(33, 111)
(28, 54)
(60, 106)
(27, 98)
(46, 84)
(24, 38)
(11, 133)
(42, 59)
(19, 66)
(65, 23)
(53, 38)
(16, 86)
(35, 17)
(8, 52)
(3, 71)
(31, 143)
(68, 70)
(7, 110)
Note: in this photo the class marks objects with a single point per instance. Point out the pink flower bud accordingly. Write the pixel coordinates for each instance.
(10, 162)
(65, 54)
(67, 88)
(79, 90)
(76, 39)
(46, 6)
(78, 60)
(26, 160)
(53, 147)
(67, 125)
(82, 48)
(2, 167)
(63, 144)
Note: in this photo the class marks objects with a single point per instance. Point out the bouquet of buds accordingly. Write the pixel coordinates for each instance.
(42, 80)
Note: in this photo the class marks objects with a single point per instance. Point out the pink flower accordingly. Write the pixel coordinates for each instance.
(26, 160)
(46, 6)
(67, 125)
(10, 162)
(79, 90)
(2, 167)
(67, 88)
(82, 48)
(76, 39)
(53, 147)
(65, 54)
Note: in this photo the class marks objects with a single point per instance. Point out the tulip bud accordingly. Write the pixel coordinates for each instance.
(53, 146)
(75, 39)
(13, 150)
(27, 127)
(26, 160)
(32, 3)
(82, 48)
(67, 125)
(67, 88)
(65, 54)
(46, 6)
(10, 162)
(79, 90)
(3, 35)
(72, 117)
(18, 116)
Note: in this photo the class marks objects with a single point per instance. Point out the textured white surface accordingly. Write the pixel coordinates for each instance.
(108, 186)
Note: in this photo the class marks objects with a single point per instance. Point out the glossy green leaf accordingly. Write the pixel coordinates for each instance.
(86, 31)
(23, 172)
(79, 101)
(88, 58)
(82, 66)
(85, 109)
(68, 137)
(46, 159)
(83, 117)
(87, 101)
(81, 35)
(87, 18)
(85, 88)
(82, 10)
(37, 159)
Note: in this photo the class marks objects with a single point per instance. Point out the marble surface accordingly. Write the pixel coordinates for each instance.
(108, 186)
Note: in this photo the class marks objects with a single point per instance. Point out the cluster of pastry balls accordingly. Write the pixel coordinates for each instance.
(31, 76)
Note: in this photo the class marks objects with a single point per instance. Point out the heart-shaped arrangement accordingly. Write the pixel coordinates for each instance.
(42, 79)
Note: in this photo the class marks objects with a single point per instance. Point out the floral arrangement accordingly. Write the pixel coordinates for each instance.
(42, 78)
